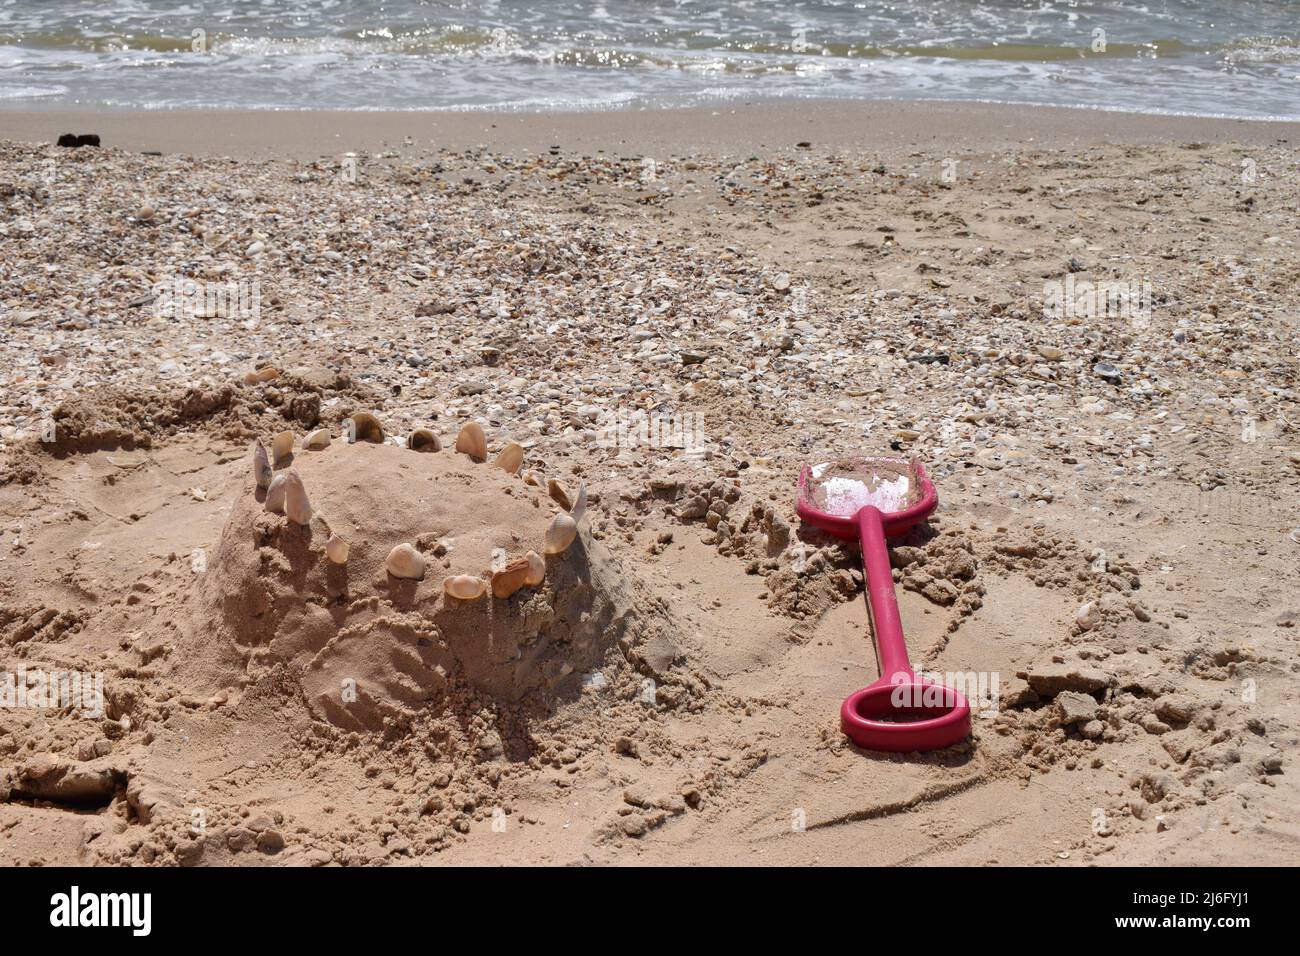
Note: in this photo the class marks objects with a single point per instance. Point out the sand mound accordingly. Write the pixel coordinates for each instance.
(366, 646)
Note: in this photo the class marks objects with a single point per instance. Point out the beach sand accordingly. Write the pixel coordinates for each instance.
(720, 130)
(1115, 542)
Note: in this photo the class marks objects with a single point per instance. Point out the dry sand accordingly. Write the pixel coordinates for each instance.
(1117, 492)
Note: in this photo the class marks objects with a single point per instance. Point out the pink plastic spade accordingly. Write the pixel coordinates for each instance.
(871, 499)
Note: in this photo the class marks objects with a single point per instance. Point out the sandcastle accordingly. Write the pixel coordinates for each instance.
(381, 572)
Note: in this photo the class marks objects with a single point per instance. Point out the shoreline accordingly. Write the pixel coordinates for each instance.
(887, 126)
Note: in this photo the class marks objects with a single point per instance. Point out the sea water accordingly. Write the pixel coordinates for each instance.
(1216, 57)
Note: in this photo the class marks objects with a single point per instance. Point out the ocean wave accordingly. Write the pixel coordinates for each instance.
(561, 54)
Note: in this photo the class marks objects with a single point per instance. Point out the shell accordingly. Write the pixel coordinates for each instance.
(464, 587)
(365, 427)
(423, 440)
(281, 447)
(536, 569)
(511, 458)
(1088, 616)
(510, 578)
(530, 478)
(267, 373)
(275, 494)
(296, 505)
(471, 441)
(559, 493)
(317, 440)
(560, 534)
(262, 474)
(405, 562)
(336, 549)
(580, 503)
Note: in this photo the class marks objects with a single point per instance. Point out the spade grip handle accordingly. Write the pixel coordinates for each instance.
(886, 624)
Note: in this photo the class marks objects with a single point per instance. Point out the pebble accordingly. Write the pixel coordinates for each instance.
(1106, 371)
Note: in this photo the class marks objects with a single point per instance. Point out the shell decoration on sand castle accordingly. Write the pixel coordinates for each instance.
(464, 587)
(287, 494)
(422, 439)
(281, 447)
(559, 494)
(405, 562)
(336, 549)
(560, 534)
(564, 528)
(297, 507)
(471, 441)
(318, 440)
(511, 458)
(262, 473)
(536, 569)
(275, 494)
(365, 427)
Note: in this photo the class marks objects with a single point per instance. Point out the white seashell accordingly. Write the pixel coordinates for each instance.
(296, 505)
(536, 569)
(464, 587)
(317, 440)
(281, 447)
(530, 478)
(511, 578)
(559, 494)
(405, 562)
(580, 503)
(471, 441)
(262, 473)
(1088, 616)
(365, 427)
(336, 549)
(511, 458)
(423, 440)
(560, 534)
(275, 494)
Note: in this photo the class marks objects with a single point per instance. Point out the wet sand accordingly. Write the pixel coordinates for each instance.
(724, 130)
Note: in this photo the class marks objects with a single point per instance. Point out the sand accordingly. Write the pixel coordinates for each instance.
(721, 130)
(1112, 555)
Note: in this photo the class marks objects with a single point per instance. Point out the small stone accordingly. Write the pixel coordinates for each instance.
(1048, 680)
(239, 839)
(1107, 372)
(1178, 708)
(270, 841)
(1073, 708)
(512, 577)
